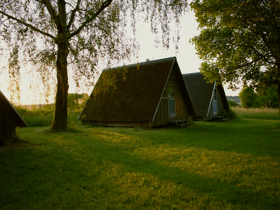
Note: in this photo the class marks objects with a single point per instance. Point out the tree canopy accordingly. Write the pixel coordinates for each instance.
(249, 99)
(239, 40)
(55, 35)
(268, 95)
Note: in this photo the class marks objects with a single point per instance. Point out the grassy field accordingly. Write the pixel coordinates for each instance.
(208, 165)
(43, 116)
(257, 113)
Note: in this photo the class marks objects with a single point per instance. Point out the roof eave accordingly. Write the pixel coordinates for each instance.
(163, 87)
(24, 124)
(209, 105)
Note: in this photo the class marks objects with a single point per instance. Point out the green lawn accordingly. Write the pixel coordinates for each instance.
(208, 165)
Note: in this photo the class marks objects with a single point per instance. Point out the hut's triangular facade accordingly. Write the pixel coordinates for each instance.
(9, 120)
(140, 95)
(208, 99)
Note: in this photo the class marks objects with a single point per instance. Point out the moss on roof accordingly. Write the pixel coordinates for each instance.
(129, 93)
(201, 92)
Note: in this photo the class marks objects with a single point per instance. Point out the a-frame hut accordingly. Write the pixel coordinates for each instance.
(9, 120)
(149, 94)
(209, 99)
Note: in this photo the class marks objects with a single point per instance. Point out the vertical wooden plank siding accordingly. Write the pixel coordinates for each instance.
(2, 129)
(210, 115)
(7, 128)
(220, 103)
(180, 104)
(162, 114)
(13, 127)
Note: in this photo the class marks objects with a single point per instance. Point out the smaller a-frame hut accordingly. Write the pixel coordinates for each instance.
(149, 94)
(9, 120)
(208, 99)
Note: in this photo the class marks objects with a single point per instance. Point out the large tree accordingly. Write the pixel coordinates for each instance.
(57, 34)
(239, 40)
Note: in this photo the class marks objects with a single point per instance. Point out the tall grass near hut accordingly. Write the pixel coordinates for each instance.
(43, 116)
(257, 113)
(36, 116)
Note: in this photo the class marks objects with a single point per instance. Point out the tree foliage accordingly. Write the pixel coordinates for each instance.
(76, 100)
(80, 34)
(268, 95)
(239, 40)
(249, 99)
(14, 76)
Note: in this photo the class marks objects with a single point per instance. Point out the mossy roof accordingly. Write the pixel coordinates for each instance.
(201, 92)
(6, 106)
(129, 93)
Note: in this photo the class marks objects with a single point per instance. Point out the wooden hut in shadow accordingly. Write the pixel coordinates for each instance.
(9, 120)
(209, 99)
(149, 94)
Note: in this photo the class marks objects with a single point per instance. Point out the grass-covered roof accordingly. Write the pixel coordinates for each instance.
(6, 106)
(201, 92)
(129, 93)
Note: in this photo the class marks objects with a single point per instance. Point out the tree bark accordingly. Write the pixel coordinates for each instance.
(60, 117)
(278, 90)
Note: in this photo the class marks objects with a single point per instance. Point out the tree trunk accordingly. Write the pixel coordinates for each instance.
(60, 117)
(278, 91)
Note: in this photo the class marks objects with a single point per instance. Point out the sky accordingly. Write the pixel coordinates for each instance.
(187, 58)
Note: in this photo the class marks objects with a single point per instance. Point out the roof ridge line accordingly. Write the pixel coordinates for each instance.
(145, 62)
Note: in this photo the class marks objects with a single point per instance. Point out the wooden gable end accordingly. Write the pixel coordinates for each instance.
(183, 105)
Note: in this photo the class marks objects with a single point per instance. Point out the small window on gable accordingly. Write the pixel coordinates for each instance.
(171, 99)
(215, 93)
(171, 108)
(171, 92)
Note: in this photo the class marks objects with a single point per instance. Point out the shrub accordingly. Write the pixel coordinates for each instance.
(228, 113)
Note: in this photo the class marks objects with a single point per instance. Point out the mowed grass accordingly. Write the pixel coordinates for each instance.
(208, 165)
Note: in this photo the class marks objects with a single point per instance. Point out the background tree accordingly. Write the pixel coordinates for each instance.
(78, 34)
(249, 99)
(239, 40)
(77, 100)
(268, 95)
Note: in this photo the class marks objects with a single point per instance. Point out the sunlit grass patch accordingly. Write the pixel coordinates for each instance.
(248, 171)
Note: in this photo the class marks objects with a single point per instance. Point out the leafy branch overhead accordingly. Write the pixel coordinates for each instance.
(239, 40)
(241, 35)
(80, 34)
(84, 23)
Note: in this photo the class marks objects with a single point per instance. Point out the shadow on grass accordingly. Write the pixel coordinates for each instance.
(202, 185)
(70, 129)
(257, 137)
(40, 177)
